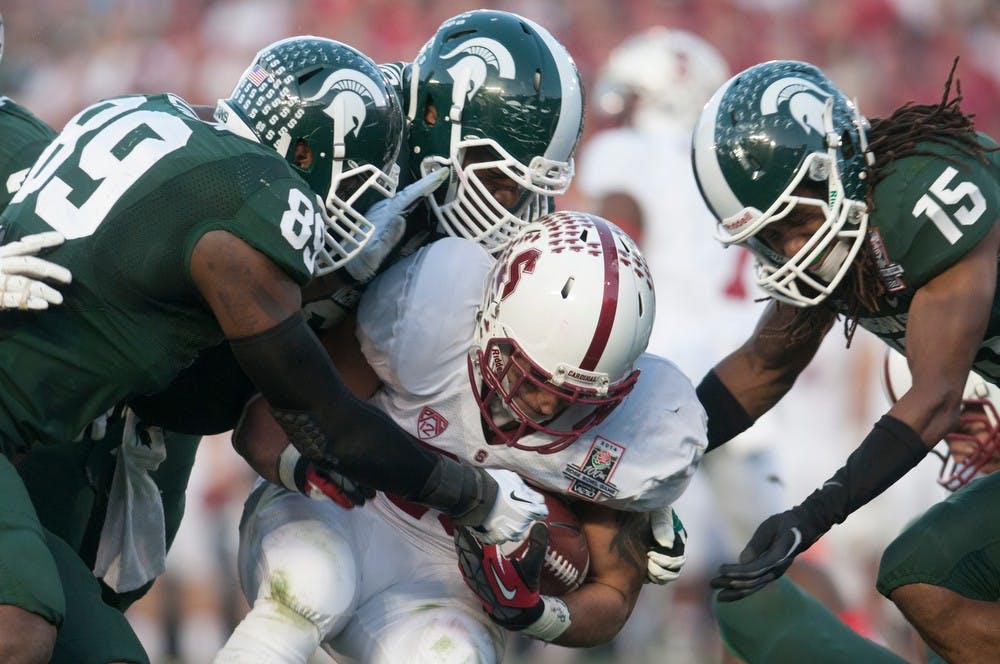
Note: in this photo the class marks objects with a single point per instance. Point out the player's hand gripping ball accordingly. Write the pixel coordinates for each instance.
(567, 557)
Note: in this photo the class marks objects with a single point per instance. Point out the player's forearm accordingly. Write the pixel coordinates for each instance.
(761, 371)
(260, 440)
(598, 612)
(885, 455)
(321, 417)
(339, 432)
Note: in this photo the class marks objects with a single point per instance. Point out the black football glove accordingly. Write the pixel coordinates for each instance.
(507, 588)
(768, 555)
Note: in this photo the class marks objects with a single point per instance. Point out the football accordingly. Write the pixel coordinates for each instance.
(567, 558)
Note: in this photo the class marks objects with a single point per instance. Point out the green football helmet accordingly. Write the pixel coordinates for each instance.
(767, 130)
(322, 94)
(503, 87)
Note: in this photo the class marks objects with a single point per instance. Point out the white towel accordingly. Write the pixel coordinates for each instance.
(132, 549)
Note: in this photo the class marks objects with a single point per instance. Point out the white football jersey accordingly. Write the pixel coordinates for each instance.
(416, 324)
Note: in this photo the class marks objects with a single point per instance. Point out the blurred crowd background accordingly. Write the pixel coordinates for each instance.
(60, 55)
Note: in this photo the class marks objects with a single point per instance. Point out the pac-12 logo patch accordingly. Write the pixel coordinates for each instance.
(591, 478)
(430, 423)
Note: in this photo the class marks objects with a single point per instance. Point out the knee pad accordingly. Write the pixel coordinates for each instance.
(442, 636)
(309, 568)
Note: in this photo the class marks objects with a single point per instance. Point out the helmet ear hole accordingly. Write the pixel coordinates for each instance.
(567, 287)
(430, 112)
(302, 156)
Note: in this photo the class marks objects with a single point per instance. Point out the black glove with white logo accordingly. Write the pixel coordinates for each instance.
(770, 552)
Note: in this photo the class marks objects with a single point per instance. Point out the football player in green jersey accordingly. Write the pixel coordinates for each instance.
(181, 234)
(889, 223)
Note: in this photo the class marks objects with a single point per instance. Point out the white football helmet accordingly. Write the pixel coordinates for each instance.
(668, 74)
(979, 407)
(570, 304)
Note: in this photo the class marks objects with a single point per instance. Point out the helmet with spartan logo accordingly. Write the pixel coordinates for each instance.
(776, 136)
(326, 108)
(493, 93)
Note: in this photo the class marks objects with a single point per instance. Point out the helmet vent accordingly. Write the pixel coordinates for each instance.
(567, 287)
(641, 308)
(583, 236)
(459, 34)
(538, 80)
(309, 74)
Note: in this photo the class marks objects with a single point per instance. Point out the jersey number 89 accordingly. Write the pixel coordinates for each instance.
(108, 162)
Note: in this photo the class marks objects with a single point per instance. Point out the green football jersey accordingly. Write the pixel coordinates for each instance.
(929, 212)
(22, 138)
(133, 183)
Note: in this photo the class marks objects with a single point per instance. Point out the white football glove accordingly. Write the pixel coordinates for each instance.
(389, 218)
(517, 506)
(666, 558)
(20, 271)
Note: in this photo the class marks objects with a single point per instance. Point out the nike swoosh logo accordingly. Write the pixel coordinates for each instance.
(508, 593)
(795, 544)
(514, 496)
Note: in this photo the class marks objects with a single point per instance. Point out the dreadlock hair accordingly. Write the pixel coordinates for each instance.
(892, 139)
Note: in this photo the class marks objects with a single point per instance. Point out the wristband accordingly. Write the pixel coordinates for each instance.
(555, 620)
(726, 417)
(287, 463)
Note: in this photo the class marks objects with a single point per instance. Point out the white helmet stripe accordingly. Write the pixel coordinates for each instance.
(568, 126)
(719, 196)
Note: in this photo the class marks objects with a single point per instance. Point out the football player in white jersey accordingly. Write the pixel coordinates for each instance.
(530, 363)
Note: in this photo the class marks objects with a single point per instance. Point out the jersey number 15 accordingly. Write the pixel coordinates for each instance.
(966, 215)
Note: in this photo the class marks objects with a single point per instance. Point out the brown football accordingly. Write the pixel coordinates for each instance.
(567, 558)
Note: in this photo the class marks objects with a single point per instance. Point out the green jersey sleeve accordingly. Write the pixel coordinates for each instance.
(934, 207)
(22, 138)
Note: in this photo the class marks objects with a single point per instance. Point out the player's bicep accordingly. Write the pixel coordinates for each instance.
(247, 291)
(945, 327)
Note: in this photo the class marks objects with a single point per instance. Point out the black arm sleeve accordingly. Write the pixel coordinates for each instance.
(321, 416)
(885, 455)
(726, 417)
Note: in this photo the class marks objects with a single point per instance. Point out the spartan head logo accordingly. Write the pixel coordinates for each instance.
(353, 92)
(804, 101)
(474, 57)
